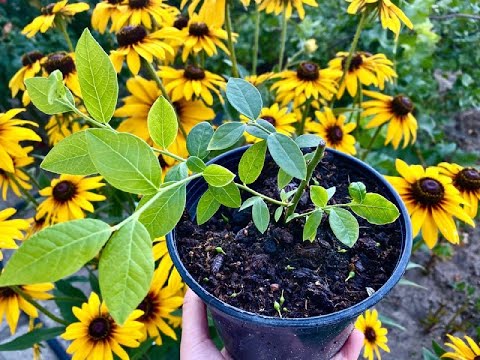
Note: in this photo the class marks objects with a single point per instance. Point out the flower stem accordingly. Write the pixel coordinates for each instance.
(269, 199)
(231, 48)
(359, 103)
(301, 128)
(283, 39)
(35, 304)
(169, 154)
(370, 144)
(256, 38)
(63, 29)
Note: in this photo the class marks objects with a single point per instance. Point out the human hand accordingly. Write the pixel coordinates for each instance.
(197, 345)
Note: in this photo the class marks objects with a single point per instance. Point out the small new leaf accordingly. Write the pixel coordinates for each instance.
(260, 215)
(252, 161)
(244, 97)
(218, 176)
(344, 226)
(311, 225)
(162, 123)
(319, 195)
(207, 207)
(278, 213)
(357, 191)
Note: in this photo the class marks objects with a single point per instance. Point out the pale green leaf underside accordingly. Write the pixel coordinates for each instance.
(228, 195)
(38, 90)
(162, 122)
(226, 135)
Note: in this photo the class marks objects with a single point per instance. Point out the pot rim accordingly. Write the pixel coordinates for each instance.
(335, 317)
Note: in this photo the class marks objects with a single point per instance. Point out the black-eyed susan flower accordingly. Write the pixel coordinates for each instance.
(467, 181)
(397, 111)
(365, 68)
(391, 16)
(461, 350)
(10, 230)
(105, 11)
(334, 130)
(11, 304)
(31, 66)
(191, 83)
(149, 13)
(68, 197)
(134, 43)
(36, 224)
(280, 117)
(431, 200)
(308, 82)
(60, 126)
(375, 334)
(257, 80)
(49, 14)
(18, 179)
(279, 6)
(98, 336)
(65, 63)
(11, 134)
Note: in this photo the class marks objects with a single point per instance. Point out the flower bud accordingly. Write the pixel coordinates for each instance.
(310, 46)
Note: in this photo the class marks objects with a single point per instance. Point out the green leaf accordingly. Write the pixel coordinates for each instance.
(437, 348)
(260, 215)
(126, 270)
(376, 209)
(124, 160)
(278, 213)
(357, 191)
(226, 135)
(162, 123)
(331, 191)
(228, 195)
(31, 338)
(165, 212)
(428, 355)
(207, 207)
(249, 202)
(39, 88)
(286, 153)
(311, 225)
(406, 282)
(319, 195)
(55, 252)
(97, 78)
(70, 156)
(283, 179)
(344, 226)
(411, 265)
(308, 140)
(217, 175)
(260, 132)
(244, 97)
(177, 172)
(57, 89)
(390, 322)
(196, 164)
(198, 139)
(252, 161)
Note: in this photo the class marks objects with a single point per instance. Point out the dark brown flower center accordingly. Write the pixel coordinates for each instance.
(355, 64)
(162, 162)
(401, 105)
(180, 22)
(64, 191)
(48, 10)
(428, 191)
(468, 179)
(130, 35)
(270, 119)
(178, 108)
(138, 4)
(370, 335)
(60, 61)
(31, 57)
(308, 71)
(476, 357)
(149, 306)
(100, 328)
(198, 29)
(6, 293)
(335, 134)
(193, 72)
(114, 2)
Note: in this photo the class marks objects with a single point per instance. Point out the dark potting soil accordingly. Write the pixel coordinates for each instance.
(313, 276)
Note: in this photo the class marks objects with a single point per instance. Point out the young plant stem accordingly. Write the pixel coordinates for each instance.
(63, 29)
(359, 103)
(301, 128)
(264, 197)
(231, 48)
(283, 39)
(35, 304)
(256, 37)
(169, 154)
(370, 144)
(25, 193)
(317, 157)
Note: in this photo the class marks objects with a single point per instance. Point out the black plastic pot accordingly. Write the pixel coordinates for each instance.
(248, 336)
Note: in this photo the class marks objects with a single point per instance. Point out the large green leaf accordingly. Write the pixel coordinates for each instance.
(162, 122)
(126, 270)
(26, 341)
(218, 176)
(70, 156)
(97, 78)
(260, 215)
(165, 212)
(39, 88)
(228, 195)
(226, 135)
(252, 161)
(344, 226)
(126, 161)
(244, 97)
(287, 155)
(376, 209)
(55, 252)
(198, 139)
(207, 207)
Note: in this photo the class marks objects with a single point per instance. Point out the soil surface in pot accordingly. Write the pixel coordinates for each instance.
(313, 276)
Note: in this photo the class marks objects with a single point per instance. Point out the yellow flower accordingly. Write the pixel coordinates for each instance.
(49, 13)
(36, 224)
(67, 198)
(432, 202)
(462, 351)
(334, 130)
(375, 334)
(60, 126)
(390, 15)
(32, 64)
(192, 82)
(278, 6)
(279, 117)
(146, 13)
(105, 11)
(18, 178)
(365, 68)
(10, 136)
(308, 82)
(97, 335)
(66, 64)
(257, 80)
(10, 230)
(467, 181)
(395, 110)
(215, 9)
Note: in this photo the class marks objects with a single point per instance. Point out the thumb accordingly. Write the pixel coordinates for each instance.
(353, 346)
